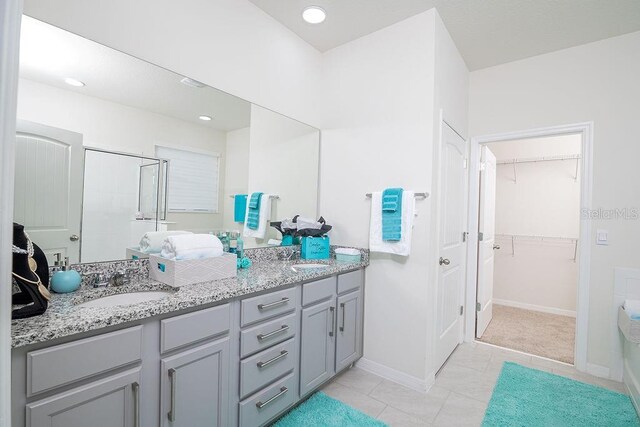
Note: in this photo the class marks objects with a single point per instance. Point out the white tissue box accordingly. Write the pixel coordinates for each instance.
(188, 272)
(629, 327)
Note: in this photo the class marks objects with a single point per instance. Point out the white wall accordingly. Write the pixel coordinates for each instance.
(137, 131)
(231, 45)
(378, 97)
(236, 173)
(594, 82)
(544, 200)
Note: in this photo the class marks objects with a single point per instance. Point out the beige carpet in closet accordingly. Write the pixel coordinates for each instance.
(533, 332)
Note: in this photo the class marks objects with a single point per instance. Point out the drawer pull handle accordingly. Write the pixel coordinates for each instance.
(172, 409)
(263, 337)
(273, 304)
(282, 354)
(343, 316)
(283, 391)
(136, 404)
(333, 320)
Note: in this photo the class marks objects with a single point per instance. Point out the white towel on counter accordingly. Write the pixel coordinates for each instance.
(191, 246)
(632, 307)
(265, 216)
(403, 246)
(152, 241)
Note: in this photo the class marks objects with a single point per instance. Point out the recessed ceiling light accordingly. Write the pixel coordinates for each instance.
(314, 14)
(73, 82)
(205, 118)
(191, 82)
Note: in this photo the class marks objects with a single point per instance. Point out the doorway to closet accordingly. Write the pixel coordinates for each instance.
(528, 245)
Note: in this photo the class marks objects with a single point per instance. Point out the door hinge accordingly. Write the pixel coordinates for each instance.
(478, 306)
(465, 164)
(480, 236)
(464, 236)
(461, 310)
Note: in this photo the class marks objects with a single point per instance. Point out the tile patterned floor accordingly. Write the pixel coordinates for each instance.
(459, 397)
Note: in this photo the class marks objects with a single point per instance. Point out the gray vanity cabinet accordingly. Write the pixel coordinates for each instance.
(348, 337)
(331, 330)
(194, 386)
(111, 402)
(318, 345)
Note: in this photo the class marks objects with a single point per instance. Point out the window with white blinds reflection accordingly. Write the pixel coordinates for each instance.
(192, 180)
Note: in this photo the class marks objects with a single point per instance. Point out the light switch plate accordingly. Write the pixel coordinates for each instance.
(602, 237)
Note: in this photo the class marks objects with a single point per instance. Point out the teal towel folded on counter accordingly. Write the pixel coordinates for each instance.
(239, 207)
(253, 215)
(392, 214)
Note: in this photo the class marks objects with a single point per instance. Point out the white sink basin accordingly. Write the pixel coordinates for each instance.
(308, 266)
(125, 299)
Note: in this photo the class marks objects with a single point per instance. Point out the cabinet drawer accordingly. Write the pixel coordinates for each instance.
(263, 406)
(259, 370)
(192, 327)
(267, 334)
(318, 291)
(267, 306)
(350, 281)
(66, 363)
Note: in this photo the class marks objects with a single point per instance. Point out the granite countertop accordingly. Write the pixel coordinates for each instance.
(64, 317)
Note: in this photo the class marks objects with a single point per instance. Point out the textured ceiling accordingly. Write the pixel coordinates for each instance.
(487, 32)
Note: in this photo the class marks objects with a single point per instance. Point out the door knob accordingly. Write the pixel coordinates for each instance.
(444, 261)
(74, 237)
(496, 246)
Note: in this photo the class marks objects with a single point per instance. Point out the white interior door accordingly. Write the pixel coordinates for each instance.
(452, 262)
(48, 187)
(486, 245)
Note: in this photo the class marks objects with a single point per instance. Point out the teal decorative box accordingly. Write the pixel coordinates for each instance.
(315, 248)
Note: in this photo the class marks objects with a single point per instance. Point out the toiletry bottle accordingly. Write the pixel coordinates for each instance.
(65, 280)
(240, 246)
(225, 242)
(233, 242)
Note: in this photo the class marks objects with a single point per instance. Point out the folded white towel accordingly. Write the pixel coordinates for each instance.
(403, 246)
(632, 307)
(152, 241)
(265, 215)
(191, 246)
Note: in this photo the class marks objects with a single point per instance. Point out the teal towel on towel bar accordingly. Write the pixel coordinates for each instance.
(253, 216)
(392, 214)
(239, 207)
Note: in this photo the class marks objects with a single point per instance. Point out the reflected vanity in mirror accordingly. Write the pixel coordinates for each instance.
(110, 146)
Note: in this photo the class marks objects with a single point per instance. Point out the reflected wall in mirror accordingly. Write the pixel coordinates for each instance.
(110, 146)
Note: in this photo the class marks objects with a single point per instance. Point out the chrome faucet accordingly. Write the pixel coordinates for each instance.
(295, 253)
(119, 278)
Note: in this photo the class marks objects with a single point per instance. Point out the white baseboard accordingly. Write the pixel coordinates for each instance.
(393, 375)
(550, 310)
(598, 370)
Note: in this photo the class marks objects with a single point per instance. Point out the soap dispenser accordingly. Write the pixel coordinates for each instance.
(65, 280)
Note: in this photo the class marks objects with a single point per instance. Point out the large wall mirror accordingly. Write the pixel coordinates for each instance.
(110, 147)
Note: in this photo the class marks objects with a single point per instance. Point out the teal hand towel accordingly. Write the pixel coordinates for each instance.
(239, 207)
(392, 214)
(253, 216)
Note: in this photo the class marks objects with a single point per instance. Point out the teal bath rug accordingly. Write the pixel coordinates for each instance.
(322, 411)
(528, 397)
